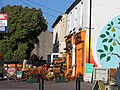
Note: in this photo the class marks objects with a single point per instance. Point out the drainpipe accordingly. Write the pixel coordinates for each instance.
(90, 30)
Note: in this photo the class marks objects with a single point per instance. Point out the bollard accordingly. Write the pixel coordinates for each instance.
(78, 84)
(42, 84)
(39, 84)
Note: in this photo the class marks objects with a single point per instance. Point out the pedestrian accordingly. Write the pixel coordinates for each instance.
(118, 77)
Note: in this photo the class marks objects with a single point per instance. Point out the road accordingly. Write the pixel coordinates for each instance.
(48, 85)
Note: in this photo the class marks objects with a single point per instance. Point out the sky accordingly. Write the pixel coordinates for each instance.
(51, 8)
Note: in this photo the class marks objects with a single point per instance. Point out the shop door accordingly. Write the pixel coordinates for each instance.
(80, 59)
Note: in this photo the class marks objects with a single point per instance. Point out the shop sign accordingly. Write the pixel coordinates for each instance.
(11, 70)
(3, 22)
(19, 74)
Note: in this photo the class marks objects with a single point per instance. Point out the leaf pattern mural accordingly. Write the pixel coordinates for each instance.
(108, 43)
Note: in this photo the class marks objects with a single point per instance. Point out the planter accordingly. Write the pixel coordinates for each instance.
(32, 80)
(60, 80)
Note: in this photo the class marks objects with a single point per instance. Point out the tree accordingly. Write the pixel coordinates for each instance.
(24, 25)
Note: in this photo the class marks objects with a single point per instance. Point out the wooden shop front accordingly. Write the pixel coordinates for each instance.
(69, 51)
(80, 53)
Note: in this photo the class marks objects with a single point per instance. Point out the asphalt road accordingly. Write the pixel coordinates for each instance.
(48, 85)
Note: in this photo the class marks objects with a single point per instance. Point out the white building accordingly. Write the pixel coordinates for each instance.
(74, 16)
(101, 21)
(59, 30)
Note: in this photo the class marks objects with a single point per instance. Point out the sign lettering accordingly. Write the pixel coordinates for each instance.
(3, 16)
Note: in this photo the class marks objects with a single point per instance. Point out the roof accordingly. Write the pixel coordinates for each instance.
(72, 6)
(67, 11)
(57, 20)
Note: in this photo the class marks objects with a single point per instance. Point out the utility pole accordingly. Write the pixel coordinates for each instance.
(90, 31)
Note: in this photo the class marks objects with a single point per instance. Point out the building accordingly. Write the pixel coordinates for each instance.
(59, 31)
(92, 34)
(45, 45)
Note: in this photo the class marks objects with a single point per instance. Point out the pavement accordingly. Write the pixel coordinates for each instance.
(48, 85)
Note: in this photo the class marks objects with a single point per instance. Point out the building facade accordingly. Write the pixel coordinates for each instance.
(45, 45)
(92, 34)
(59, 31)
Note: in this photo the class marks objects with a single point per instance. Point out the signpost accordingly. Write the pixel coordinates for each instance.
(3, 22)
(88, 72)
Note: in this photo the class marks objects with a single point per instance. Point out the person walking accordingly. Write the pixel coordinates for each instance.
(118, 77)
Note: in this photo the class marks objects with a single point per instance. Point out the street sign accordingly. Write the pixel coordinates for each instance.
(89, 68)
(88, 72)
(3, 22)
(100, 74)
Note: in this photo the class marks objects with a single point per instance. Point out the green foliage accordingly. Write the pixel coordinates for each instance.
(110, 40)
(108, 58)
(109, 28)
(119, 20)
(102, 35)
(24, 25)
(107, 33)
(100, 50)
(106, 52)
(105, 40)
(105, 47)
(112, 23)
(102, 55)
(114, 35)
(111, 48)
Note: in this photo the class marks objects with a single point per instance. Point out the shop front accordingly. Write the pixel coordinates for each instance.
(80, 53)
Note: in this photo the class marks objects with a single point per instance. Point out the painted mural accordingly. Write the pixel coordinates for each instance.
(108, 44)
(92, 59)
